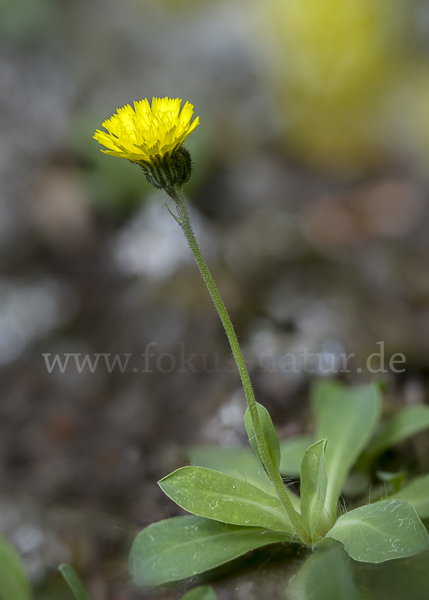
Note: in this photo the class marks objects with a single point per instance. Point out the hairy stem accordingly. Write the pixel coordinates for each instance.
(271, 469)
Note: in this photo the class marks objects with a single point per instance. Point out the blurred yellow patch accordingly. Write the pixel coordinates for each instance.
(331, 67)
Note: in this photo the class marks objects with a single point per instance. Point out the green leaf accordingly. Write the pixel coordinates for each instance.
(314, 484)
(383, 531)
(238, 462)
(186, 546)
(268, 432)
(417, 494)
(403, 424)
(224, 498)
(292, 452)
(202, 592)
(74, 582)
(14, 583)
(346, 417)
(326, 575)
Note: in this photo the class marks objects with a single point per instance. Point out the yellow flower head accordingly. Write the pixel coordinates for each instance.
(147, 134)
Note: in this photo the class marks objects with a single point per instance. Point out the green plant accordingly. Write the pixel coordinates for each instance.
(235, 515)
(237, 497)
(232, 515)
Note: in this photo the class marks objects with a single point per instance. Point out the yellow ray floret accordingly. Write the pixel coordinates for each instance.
(148, 131)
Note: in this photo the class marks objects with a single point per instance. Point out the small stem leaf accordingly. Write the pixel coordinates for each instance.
(292, 452)
(346, 417)
(14, 582)
(224, 498)
(314, 484)
(175, 217)
(383, 531)
(74, 582)
(202, 592)
(268, 432)
(183, 547)
(403, 424)
(326, 575)
(417, 494)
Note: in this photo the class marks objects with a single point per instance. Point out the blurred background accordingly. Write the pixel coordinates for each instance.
(309, 198)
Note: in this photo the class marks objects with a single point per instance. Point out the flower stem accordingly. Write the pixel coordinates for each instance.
(271, 469)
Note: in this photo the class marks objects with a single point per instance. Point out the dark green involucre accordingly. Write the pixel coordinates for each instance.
(168, 171)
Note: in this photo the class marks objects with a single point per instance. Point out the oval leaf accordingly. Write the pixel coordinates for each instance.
(186, 546)
(74, 582)
(292, 452)
(268, 432)
(313, 486)
(218, 496)
(417, 494)
(14, 583)
(383, 531)
(202, 592)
